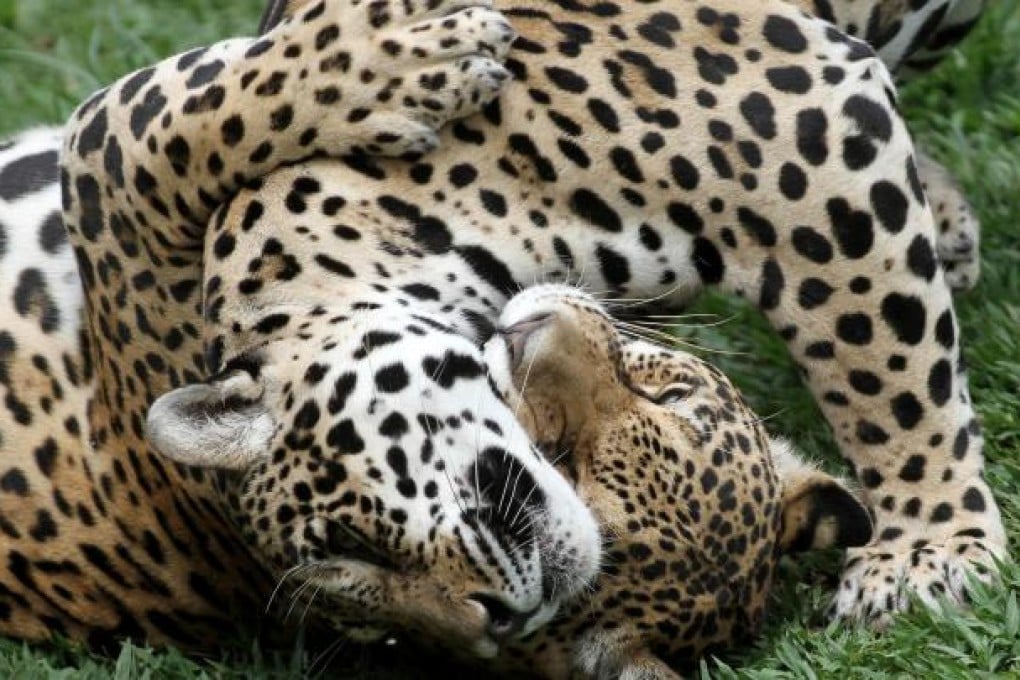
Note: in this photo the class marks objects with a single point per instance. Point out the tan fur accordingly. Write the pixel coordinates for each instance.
(685, 482)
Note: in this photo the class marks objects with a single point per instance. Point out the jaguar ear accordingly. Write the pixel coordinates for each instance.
(276, 11)
(221, 423)
(818, 510)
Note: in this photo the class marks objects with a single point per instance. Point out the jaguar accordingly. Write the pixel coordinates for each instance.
(694, 500)
(646, 155)
(270, 372)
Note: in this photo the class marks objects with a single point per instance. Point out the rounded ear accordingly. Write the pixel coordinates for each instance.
(818, 510)
(221, 423)
(822, 513)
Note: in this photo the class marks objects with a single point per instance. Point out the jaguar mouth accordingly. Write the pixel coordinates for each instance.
(505, 623)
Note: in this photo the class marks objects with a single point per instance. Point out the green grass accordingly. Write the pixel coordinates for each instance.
(55, 52)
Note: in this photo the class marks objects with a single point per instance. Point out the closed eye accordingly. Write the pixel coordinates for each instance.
(673, 394)
(344, 541)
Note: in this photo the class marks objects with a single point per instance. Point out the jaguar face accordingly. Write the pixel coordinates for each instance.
(383, 480)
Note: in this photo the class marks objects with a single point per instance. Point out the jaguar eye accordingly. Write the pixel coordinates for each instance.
(344, 541)
(673, 394)
(340, 540)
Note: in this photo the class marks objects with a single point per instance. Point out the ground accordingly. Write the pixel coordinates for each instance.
(967, 114)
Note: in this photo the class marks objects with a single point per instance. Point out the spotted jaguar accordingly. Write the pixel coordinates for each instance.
(271, 374)
(695, 501)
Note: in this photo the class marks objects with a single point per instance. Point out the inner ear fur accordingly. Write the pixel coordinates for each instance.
(221, 423)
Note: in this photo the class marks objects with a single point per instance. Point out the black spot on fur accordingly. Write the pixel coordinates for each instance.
(907, 410)
(134, 83)
(343, 438)
(93, 135)
(143, 113)
(890, 206)
(452, 367)
(392, 378)
(334, 266)
(940, 382)
(708, 261)
(813, 293)
(812, 129)
(685, 217)
(614, 266)
(566, 80)
(812, 245)
(395, 426)
(760, 114)
(343, 387)
(15, 482)
(757, 226)
(685, 173)
(905, 315)
(793, 182)
(865, 382)
(973, 500)
(428, 232)
(489, 268)
(771, 285)
(52, 235)
(854, 329)
(921, 258)
(945, 331)
(784, 35)
(943, 512)
(852, 228)
(789, 79)
(870, 433)
(32, 299)
(590, 207)
(27, 175)
(204, 74)
(493, 202)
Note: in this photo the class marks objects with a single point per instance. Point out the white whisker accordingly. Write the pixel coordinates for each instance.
(287, 574)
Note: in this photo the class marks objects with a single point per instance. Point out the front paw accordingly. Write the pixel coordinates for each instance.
(878, 581)
(383, 76)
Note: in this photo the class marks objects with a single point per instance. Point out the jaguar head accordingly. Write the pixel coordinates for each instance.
(377, 473)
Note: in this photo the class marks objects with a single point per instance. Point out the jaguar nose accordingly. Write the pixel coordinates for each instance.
(504, 621)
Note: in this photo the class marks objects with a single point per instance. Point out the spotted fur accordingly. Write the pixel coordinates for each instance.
(694, 500)
(594, 173)
(647, 152)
